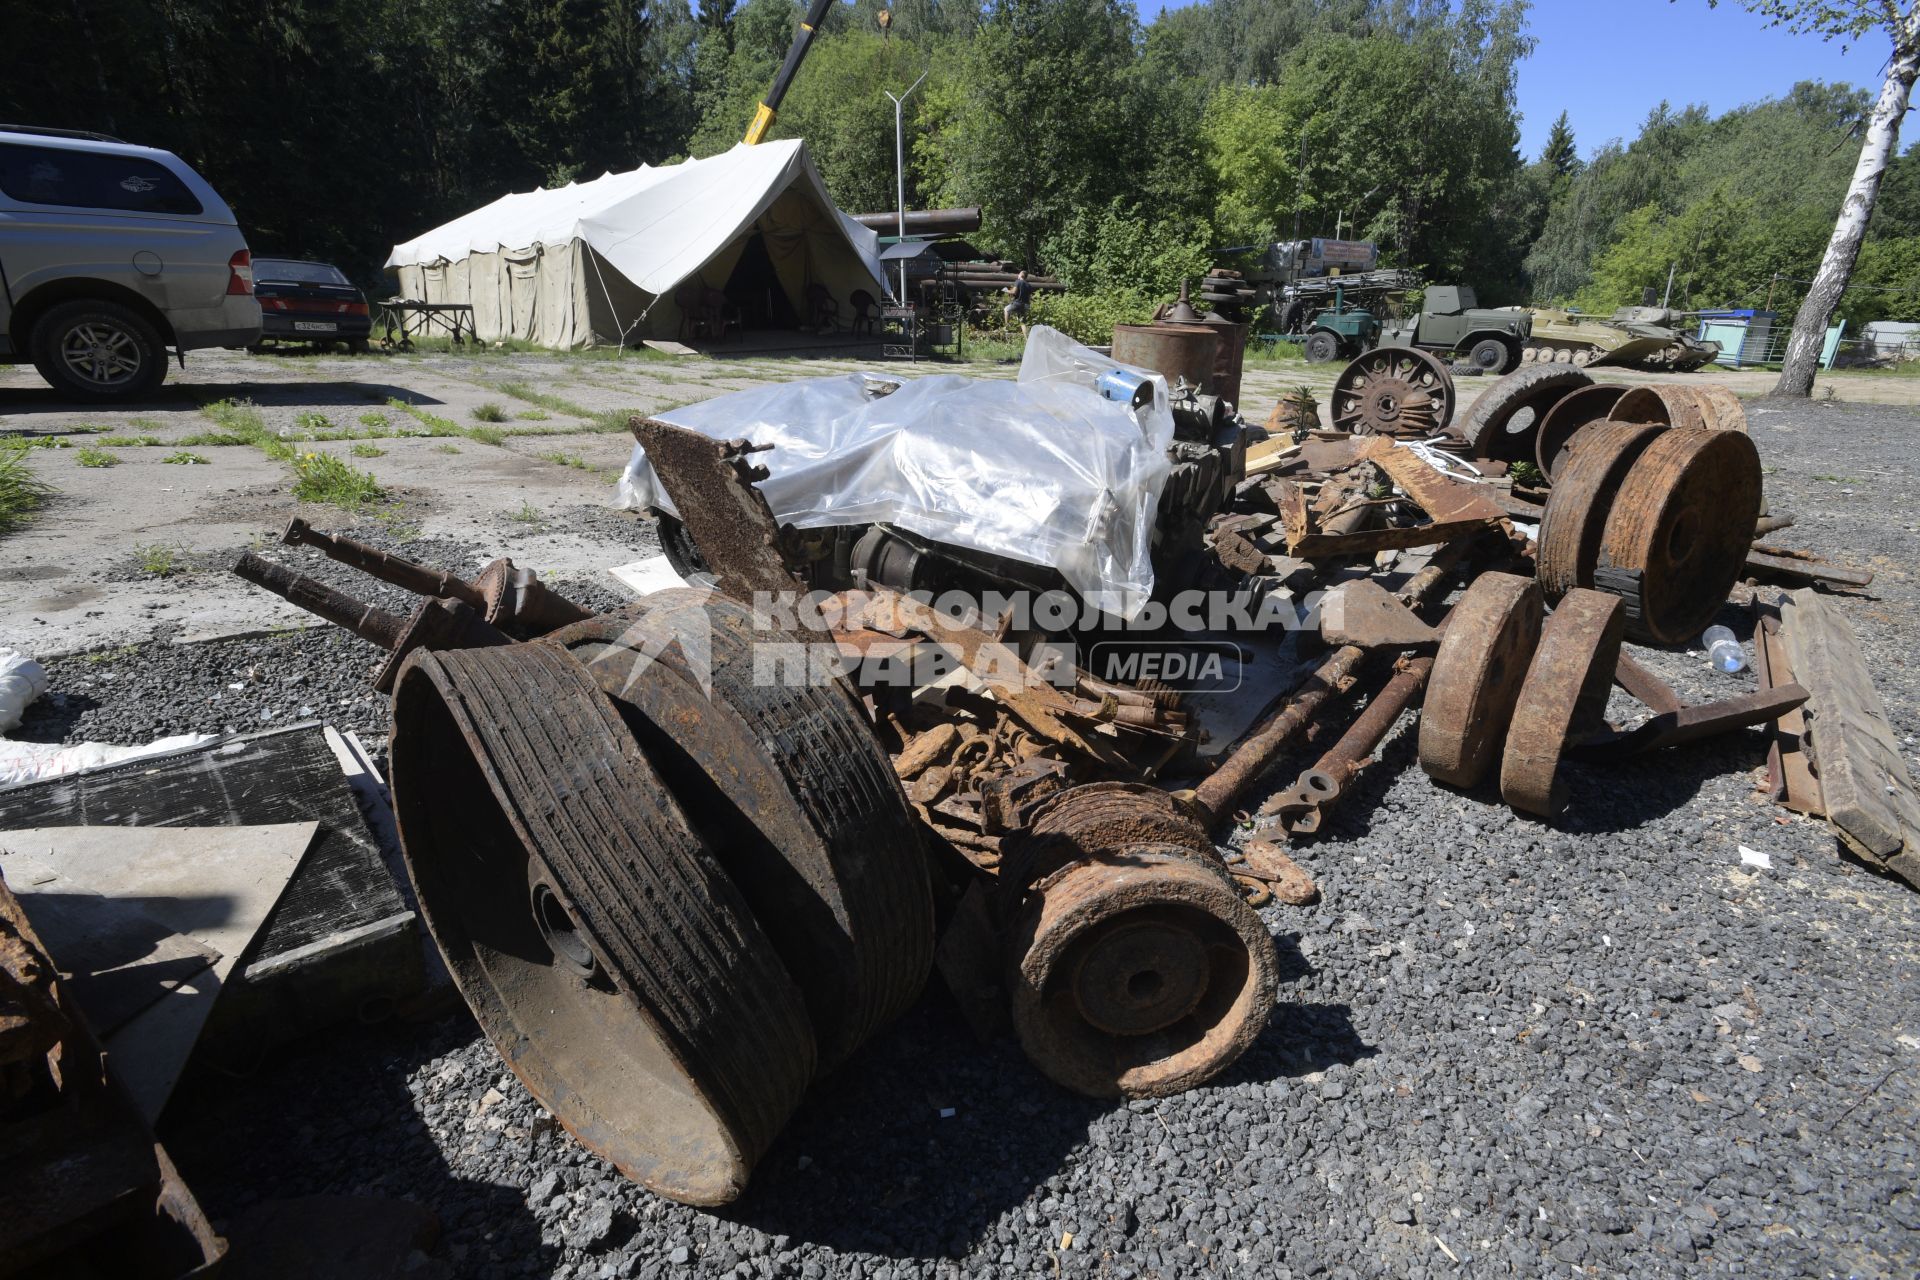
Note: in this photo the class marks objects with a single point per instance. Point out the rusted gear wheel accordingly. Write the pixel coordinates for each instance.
(1576, 516)
(599, 943)
(1490, 638)
(1678, 532)
(1708, 408)
(1393, 391)
(1508, 415)
(793, 794)
(1139, 974)
(1563, 700)
(1563, 421)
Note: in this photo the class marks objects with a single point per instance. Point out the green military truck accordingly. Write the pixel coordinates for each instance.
(1452, 320)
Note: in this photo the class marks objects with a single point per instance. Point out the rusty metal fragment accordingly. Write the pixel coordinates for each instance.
(1302, 806)
(1393, 391)
(1440, 496)
(1691, 723)
(1364, 613)
(711, 484)
(1563, 700)
(1565, 419)
(1477, 676)
(1287, 880)
(1774, 563)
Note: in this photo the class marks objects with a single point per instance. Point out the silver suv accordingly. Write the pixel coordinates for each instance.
(110, 255)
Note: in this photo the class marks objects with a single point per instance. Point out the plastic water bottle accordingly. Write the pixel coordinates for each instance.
(1723, 650)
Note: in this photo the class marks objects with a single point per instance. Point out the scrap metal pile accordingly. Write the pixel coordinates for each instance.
(677, 883)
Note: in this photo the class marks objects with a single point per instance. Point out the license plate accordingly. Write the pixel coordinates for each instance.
(315, 326)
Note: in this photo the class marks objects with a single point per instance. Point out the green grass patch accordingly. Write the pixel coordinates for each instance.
(158, 560)
(104, 657)
(527, 514)
(322, 477)
(92, 457)
(182, 458)
(21, 491)
(546, 400)
(146, 424)
(446, 448)
(560, 457)
(128, 442)
(313, 420)
(489, 412)
(533, 415)
(612, 421)
(374, 419)
(365, 450)
(1838, 479)
(213, 439)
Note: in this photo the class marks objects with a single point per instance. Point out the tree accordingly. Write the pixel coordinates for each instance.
(1878, 147)
(1559, 153)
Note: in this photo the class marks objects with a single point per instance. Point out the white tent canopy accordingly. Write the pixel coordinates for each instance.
(601, 261)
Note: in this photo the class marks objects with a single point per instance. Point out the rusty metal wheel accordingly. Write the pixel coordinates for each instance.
(1139, 974)
(1563, 421)
(795, 798)
(1092, 821)
(1597, 461)
(1564, 698)
(1706, 408)
(1393, 391)
(1508, 415)
(1678, 532)
(599, 943)
(1490, 637)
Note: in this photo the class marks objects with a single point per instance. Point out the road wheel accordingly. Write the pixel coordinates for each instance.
(1321, 347)
(1490, 355)
(98, 351)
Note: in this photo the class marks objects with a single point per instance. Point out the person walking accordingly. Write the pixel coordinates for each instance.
(1022, 291)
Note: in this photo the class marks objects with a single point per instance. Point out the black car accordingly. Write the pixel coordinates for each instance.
(309, 302)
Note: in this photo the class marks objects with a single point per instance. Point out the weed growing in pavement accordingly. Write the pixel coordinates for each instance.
(314, 420)
(527, 514)
(92, 457)
(533, 415)
(562, 458)
(322, 477)
(620, 420)
(128, 442)
(182, 458)
(21, 492)
(546, 400)
(446, 448)
(241, 423)
(489, 412)
(146, 424)
(102, 657)
(1838, 479)
(158, 560)
(485, 435)
(375, 419)
(364, 450)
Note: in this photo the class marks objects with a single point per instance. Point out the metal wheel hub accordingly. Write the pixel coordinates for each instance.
(1394, 391)
(101, 353)
(1137, 976)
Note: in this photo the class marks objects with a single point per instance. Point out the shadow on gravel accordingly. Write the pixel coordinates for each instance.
(52, 719)
(333, 1116)
(187, 397)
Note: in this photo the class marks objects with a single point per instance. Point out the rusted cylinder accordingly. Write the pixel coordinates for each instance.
(369, 622)
(1179, 351)
(1365, 734)
(1229, 358)
(397, 570)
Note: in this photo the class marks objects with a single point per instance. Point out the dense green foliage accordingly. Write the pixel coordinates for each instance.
(1115, 155)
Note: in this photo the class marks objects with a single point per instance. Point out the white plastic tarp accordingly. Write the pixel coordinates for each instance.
(1043, 469)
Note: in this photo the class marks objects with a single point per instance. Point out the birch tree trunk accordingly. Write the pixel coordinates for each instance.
(1836, 268)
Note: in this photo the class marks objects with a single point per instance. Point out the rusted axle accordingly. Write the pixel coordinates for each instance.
(400, 572)
(1301, 805)
(369, 622)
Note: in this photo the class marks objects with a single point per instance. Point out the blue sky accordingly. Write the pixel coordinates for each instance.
(1609, 62)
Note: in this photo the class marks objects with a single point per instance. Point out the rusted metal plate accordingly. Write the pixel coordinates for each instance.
(1565, 418)
(1364, 613)
(1139, 974)
(711, 483)
(1576, 515)
(1477, 676)
(801, 806)
(1564, 698)
(1440, 496)
(1287, 880)
(1653, 692)
(1505, 421)
(1393, 391)
(1772, 563)
(603, 948)
(1691, 723)
(1677, 531)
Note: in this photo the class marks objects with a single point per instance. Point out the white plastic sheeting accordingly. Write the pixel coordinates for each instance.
(22, 762)
(1042, 469)
(21, 681)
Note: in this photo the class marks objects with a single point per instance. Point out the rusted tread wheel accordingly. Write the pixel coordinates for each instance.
(1597, 462)
(602, 947)
(1139, 974)
(1505, 420)
(1678, 530)
(1564, 698)
(1483, 658)
(801, 804)
(1565, 418)
(1393, 391)
(1705, 408)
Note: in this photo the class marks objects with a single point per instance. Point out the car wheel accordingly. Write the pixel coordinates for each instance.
(1321, 347)
(1489, 354)
(98, 351)
(357, 346)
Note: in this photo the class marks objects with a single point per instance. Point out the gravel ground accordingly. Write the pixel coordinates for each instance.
(1606, 1048)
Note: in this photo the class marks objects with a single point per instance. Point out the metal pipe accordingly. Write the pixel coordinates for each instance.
(397, 570)
(369, 622)
(900, 176)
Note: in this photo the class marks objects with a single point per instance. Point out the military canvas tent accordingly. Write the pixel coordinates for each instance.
(601, 261)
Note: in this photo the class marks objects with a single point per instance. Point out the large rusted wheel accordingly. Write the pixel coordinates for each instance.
(1091, 821)
(1490, 637)
(1564, 420)
(794, 795)
(1678, 532)
(1564, 698)
(1139, 974)
(1505, 420)
(598, 941)
(1707, 408)
(1393, 391)
(1597, 462)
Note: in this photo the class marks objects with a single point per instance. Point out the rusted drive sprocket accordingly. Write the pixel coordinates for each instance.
(1576, 515)
(1565, 418)
(1505, 420)
(1490, 638)
(1678, 532)
(801, 805)
(1393, 391)
(1564, 698)
(601, 946)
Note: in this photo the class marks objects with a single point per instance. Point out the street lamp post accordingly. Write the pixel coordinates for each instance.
(900, 174)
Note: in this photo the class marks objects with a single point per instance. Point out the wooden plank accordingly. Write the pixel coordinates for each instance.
(1870, 798)
(1789, 769)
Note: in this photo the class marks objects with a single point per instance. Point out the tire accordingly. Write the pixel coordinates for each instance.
(1321, 347)
(1491, 355)
(75, 338)
(356, 346)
